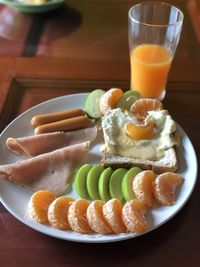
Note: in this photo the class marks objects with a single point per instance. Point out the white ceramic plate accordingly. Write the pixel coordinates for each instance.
(15, 198)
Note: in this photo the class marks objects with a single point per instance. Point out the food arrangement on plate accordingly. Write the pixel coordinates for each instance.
(138, 171)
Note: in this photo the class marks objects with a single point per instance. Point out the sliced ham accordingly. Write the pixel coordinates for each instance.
(52, 171)
(38, 144)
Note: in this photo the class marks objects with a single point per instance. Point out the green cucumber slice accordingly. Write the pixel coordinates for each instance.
(103, 184)
(127, 183)
(115, 185)
(92, 181)
(92, 104)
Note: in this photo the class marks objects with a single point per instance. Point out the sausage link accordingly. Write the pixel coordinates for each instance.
(40, 119)
(64, 125)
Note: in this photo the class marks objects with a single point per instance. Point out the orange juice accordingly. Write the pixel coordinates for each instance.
(149, 69)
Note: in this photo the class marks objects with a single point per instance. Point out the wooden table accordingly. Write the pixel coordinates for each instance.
(80, 47)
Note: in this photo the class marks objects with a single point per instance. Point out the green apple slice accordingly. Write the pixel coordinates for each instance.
(80, 181)
(115, 185)
(103, 184)
(127, 99)
(92, 104)
(92, 181)
(127, 183)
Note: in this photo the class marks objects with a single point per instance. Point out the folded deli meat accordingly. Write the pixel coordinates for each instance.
(51, 171)
(31, 146)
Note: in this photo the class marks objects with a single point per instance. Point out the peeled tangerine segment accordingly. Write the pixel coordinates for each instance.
(112, 212)
(141, 106)
(80, 180)
(38, 205)
(115, 184)
(143, 187)
(164, 187)
(77, 216)
(140, 131)
(96, 219)
(109, 99)
(133, 214)
(92, 181)
(103, 184)
(127, 183)
(127, 99)
(92, 103)
(58, 212)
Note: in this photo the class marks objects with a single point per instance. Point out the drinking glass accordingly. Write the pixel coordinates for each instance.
(154, 32)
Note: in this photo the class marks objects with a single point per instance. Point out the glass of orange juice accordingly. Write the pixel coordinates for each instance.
(154, 32)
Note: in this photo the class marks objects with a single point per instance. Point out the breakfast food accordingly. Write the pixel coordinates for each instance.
(80, 180)
(77, 216)
(143, 187)
(164, 187)
(96, 219)
(127, 99)
(52, 171)
(38, 205)
(127, 183)
(133, 215)
(35, 145)
(92, 104)
(120, 197)
(115, 183)
(92, 181)
(58, 212)
(56, 116)
(112, 212)
(103, 184)
(156, 151)
(64, 125)
(109, 99)
(142, 106)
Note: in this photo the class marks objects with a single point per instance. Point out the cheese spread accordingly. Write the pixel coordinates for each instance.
(117, 142)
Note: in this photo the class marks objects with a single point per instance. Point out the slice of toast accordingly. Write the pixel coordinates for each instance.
(168, 163)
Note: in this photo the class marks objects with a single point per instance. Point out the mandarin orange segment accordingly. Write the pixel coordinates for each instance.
(77, 216)
(112, 212)
(133, 214)
(140, 132)
(109, 99)
(164, 187)
(96, 219)
(143, 187)
(58, 212)
(38, 205)
(141, 106)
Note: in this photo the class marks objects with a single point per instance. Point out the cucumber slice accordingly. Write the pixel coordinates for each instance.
(92, 104)
(80, 180)
(127, 183)
(115, 184)
(103, 184)
(92, 181)
(127, 99)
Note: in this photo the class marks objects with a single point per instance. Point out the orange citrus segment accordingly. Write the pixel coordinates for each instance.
(164, 187)
(140, 132)
(141, 106)
(96, 219)
(112, 212)
(58, 212)
(39, 204)
(77, 216)
(109, 99)
(133, 216)
(143, 187)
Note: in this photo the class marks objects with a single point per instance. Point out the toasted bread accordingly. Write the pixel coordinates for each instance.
(167, 163)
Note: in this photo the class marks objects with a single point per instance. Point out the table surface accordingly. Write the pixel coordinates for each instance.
(77, 48)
